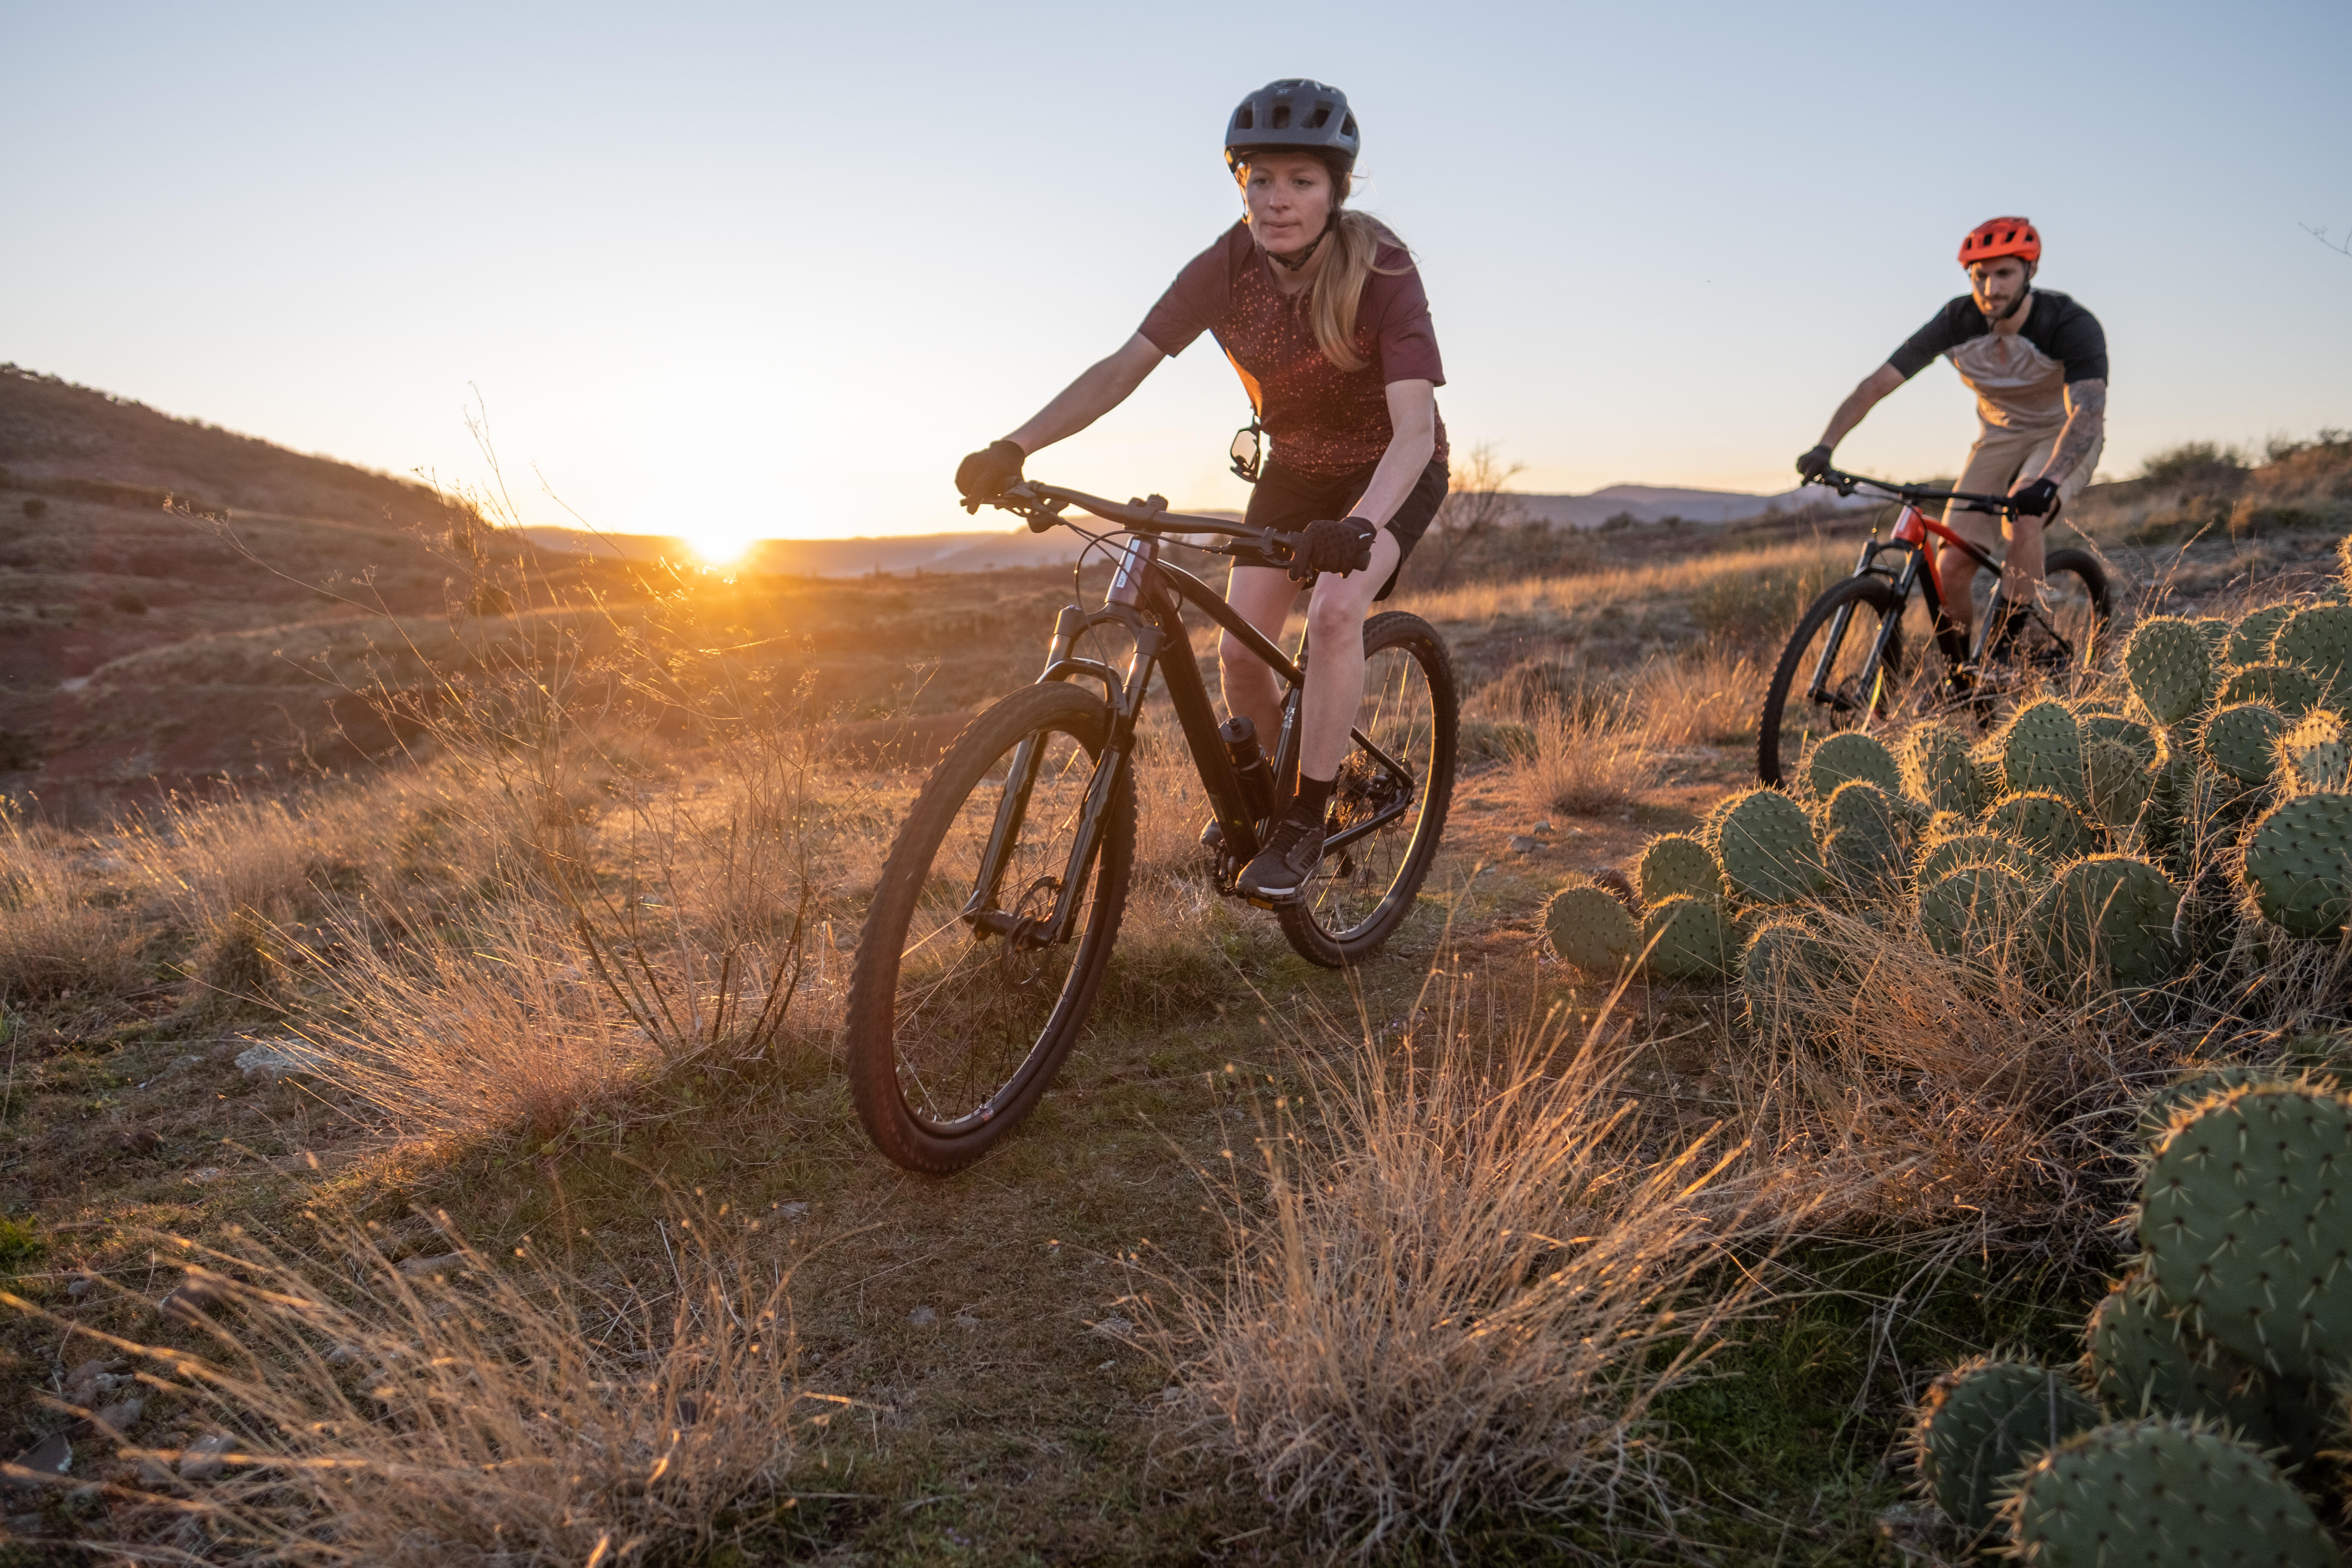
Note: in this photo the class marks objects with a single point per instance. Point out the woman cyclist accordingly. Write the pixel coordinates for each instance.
(1320, 310)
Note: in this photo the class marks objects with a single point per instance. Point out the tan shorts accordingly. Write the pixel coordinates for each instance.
(1996, 462)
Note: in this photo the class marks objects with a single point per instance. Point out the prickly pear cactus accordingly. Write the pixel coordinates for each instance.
(2171, 1494)
(1675, 863)
(2115, 727)
(2245, 1225)
(2193, 1088)
(2314, 755)
(2142, 1360)
(1974, 847)
(1850, 755)
(1590, 929)
(2215, 630)
(2107, 920)
(2289, 687)
(1787, 969)
(1968, 912)
(1939, 771)
(1983, 1422)
(2045, 823)
(1765, 844)
(2042, 750)
(2298, 864)
(1689, 938)
(1865, 841)
(2249, 642)
(2171, 667)
(2117, 780)
(2319, 638)
(2238, 739)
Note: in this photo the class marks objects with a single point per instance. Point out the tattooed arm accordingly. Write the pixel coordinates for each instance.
(2087, 421)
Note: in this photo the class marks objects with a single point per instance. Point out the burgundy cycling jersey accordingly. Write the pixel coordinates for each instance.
(1323, 421)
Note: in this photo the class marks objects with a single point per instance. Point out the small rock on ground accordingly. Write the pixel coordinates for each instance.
(922, 1317)
(270, 1059)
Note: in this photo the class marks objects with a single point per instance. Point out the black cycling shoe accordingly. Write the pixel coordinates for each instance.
(1291, 853)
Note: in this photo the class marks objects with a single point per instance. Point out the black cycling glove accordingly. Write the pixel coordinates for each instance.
(2039, 499)
(1342, 545)
(989, 472)
(1815, 463)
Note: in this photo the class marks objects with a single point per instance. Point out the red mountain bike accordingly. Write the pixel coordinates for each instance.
(1851, 662)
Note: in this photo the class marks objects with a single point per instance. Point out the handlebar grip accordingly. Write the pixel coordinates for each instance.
(1041, 524)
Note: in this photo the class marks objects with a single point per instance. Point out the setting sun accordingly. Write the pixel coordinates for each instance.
(718, 543)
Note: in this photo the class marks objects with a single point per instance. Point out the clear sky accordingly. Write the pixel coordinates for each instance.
(771, 270)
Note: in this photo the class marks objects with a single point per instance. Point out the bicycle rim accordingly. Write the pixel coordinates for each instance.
(979, 1021)
(1401, 786)
(1912, 678)
(2061, 642)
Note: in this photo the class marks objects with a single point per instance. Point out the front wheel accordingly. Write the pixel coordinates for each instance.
(1388, 805)
(1835, 641)
(958, 1022)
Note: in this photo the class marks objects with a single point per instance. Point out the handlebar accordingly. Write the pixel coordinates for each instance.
(1042, 506)
(1845, 485)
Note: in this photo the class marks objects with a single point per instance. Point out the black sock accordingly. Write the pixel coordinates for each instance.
(1313, 799)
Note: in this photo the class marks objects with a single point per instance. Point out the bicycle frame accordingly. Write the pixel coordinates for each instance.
(1145, 597)
(1920, 571)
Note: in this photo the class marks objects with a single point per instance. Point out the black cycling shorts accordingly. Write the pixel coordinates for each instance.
(1287, 500)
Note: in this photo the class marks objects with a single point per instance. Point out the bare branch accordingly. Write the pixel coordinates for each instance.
(2341, 246)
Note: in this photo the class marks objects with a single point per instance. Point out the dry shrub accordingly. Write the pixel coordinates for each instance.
(1583, 764)
(59, 932)
(505, 1411)
(1463, 1284)
(445, 1036)
(1711, 699)
(1946, 1097)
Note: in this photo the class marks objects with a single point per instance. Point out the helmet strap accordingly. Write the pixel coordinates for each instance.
(1294, 263)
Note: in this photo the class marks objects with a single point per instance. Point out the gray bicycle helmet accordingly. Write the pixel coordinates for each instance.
(1293, 115)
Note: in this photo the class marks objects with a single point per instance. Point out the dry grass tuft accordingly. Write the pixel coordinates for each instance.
(1711, 699)
(61, 933)
(345, 1409)
(1583, 764)
(1464, 1282)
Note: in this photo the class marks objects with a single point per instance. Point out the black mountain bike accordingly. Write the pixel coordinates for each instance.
(988, 937)
(1862, 654)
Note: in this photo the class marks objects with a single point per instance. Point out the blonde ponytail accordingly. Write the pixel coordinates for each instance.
(1333, 298)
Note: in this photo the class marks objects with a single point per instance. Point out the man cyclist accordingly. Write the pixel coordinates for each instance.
(2038, 365)
(1322, 311)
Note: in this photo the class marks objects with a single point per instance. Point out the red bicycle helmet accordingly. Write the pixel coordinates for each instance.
(1999, 236)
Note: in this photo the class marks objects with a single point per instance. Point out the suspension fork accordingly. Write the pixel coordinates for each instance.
(1124, 697)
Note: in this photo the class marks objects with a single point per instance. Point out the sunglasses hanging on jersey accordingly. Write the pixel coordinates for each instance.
(1247, 449)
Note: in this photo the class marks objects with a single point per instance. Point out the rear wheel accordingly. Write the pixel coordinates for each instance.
(2065, 641)
(1394, 795)
(955, 1028)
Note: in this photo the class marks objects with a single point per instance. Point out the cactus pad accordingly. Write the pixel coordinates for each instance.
(1864, 837)
(1787, 963)
(2115, 727)
(1764, 843)
(2298, 864)
(2044, 823)
(2117, 779)
(1850, 755)
(1689, 938)
(2249, 642)
(2314, 755)
(1939, 771)
(2191, 1089)
(2170, 666)
(2319, 638)
(2107, 919)
(1967, 911)
(2168, 1493)
(2042, 750)
(1983, 1422)
(1977, 847)
(2142, 1360)
(1675, 863)
(2244, 1224)
(2289, 687)
(2238, 740)
(1590, 929)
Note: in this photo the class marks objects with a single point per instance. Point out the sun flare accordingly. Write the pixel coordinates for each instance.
(717, 544)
